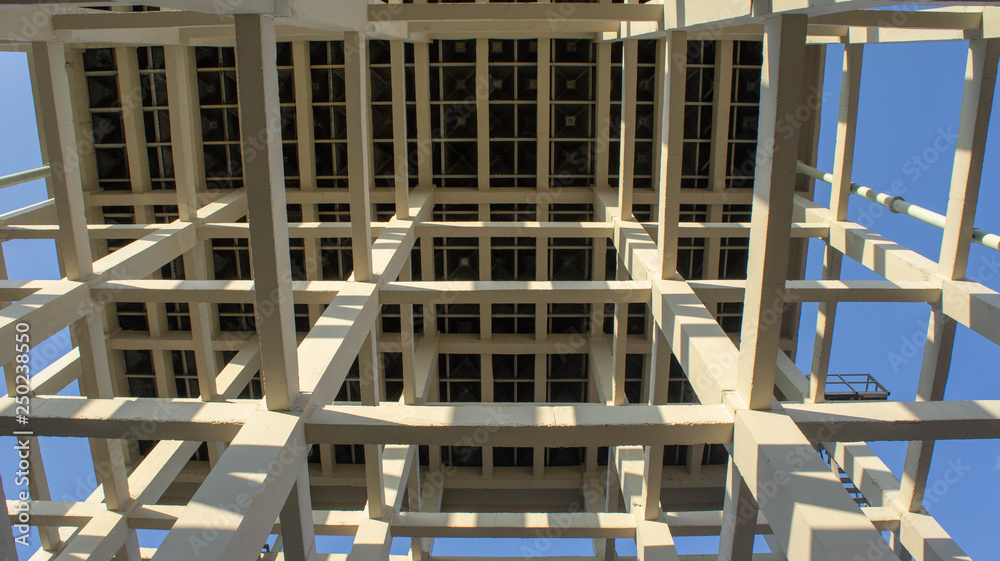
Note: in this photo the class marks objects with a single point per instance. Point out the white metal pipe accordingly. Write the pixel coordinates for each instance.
(25, 176)
(899, 206)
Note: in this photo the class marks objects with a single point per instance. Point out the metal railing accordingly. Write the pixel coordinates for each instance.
(856, 387)
(25, 176)
(897, 205)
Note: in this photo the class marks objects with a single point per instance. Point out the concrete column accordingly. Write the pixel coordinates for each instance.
(359, 151)
(400, 149)
(263, 174)
(297, 539)
(626, 171)
(774, 184)
(372, 542)
(739, 519)
(673, 51)
(843, 164)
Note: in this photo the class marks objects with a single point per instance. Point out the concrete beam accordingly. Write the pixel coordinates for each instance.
(918, 532)
(335, 340)
(485, 292)
(970, 303)
(626, 158)
(372, 542)
(152, 418)
(7, 544)
(739, 515)
(232, 512)
(810, 513)
(774, 187)
(430, 523)
(653, 537)
(359, 152)
(829, 291)
(672, 52)
(298, 538)
(892, 420)
(519, 425)
(500, 13)
(263, 174)
(566, 424)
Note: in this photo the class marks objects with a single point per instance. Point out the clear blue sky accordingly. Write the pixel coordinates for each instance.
(910, 96)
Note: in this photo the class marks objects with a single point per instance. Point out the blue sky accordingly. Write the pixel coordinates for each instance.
(910, 97)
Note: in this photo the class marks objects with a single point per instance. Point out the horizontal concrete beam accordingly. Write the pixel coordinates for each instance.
(501, 12)
(516, 229)
(38, 213)
(890, 420)
(485, 292)
(323, 292)
(38, 230)
(213, 291)
(456, 195)
(295, 229)
(931, 19)
(521, 425)
(735, 229)
(500, 425)
(129, 20)
(450, 343)
(14, 290)
(504, 425)
(142, 418)
(46, 311)
(825, 291)
(513, 524)
(971, 304)
(423, 524)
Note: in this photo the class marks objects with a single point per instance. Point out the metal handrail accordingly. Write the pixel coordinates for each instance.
(25, 176)
(858, 385)
(897, 205)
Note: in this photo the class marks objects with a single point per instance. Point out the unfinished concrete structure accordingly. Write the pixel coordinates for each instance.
(565, 261)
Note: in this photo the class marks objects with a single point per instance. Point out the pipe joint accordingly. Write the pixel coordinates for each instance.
(891, 201)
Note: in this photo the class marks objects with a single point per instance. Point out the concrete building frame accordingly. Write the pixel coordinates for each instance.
(789, 450)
